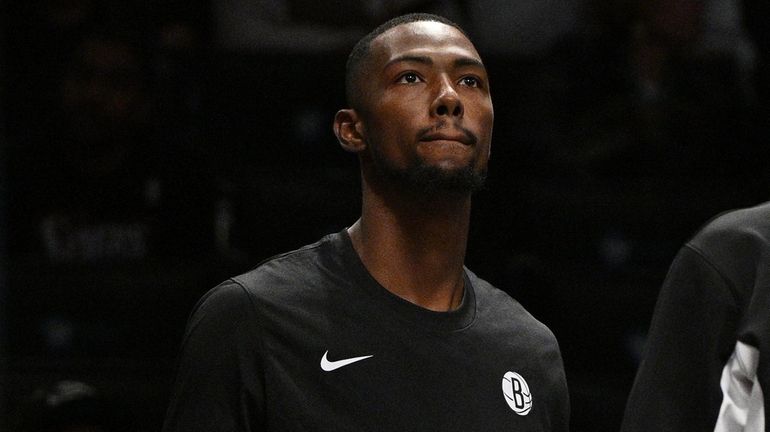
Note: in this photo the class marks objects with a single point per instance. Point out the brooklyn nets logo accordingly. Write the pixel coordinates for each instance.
(517, 394)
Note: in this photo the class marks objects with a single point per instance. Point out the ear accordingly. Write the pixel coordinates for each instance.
(349, 130)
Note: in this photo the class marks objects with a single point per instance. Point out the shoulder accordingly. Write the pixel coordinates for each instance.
(244, 303)
(748, 225)
(506, 313)
(284, 274)
(228, 299)
(735, 242)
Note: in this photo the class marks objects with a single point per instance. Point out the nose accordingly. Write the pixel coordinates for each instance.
(447, 101)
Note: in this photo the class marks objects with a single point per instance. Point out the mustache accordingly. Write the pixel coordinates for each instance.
(465, 136)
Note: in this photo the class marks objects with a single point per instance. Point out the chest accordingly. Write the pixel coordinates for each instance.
(363, 373)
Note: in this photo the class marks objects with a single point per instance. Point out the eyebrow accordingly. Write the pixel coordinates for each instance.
(468, 61)
(462, 61)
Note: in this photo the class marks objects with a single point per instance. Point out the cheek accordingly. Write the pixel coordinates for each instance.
(404, 103)
(382, 138)
(486, 123)
(489, 121)
(392, 122)
(485, 118)
(480, 106)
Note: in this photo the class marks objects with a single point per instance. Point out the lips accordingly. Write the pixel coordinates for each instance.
(460, 136)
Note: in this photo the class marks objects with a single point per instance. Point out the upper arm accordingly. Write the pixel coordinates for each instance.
(219, 382)
(693, 329)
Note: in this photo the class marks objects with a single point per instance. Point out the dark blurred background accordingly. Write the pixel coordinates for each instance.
(151, 149)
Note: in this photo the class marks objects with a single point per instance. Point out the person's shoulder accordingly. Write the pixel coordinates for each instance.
(290, 270)
(497, 305)
(220, 311)
(735, 243)
(740, 231)
(756, 218)
(489, 295)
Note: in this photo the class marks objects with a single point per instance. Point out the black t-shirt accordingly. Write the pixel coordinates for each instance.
(309, 341)
(705, 364)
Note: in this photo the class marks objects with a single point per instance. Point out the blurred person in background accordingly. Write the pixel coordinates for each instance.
(654, 130)
(107, 192)
(105, 196)
(71, 406)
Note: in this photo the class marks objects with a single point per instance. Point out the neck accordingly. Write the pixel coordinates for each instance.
(414, 246)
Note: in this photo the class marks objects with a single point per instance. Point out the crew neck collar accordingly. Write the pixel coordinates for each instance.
(414, 314)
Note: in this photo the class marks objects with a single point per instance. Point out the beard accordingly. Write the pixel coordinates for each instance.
(421, 177)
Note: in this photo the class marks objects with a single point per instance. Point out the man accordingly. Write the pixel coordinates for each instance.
(705, 365)
(380, 326)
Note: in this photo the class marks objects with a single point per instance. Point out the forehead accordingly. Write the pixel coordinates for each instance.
(423, 38)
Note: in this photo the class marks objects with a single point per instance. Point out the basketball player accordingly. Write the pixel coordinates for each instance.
(705, 365)
(380, 327)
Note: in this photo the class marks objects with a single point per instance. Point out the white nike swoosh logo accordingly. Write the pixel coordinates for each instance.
(329, 366)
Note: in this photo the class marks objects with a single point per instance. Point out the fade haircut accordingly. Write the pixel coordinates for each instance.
(360, 51)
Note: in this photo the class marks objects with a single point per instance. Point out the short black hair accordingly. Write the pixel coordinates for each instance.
(361, 49)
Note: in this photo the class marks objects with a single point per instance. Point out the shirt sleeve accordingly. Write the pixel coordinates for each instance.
(560, 419)
(691, 335)
(219, 382)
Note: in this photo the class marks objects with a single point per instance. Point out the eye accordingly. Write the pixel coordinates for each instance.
(470, 81)
(409, 78)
